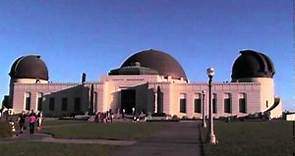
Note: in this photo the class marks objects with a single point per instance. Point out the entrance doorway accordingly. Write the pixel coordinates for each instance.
(128, 100)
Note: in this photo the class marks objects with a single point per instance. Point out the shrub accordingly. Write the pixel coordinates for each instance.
(184, 118)
(194, 118)
(5, 129)
(175, 117)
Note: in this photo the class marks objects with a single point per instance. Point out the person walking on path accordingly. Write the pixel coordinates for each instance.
(32, 121)
(21, 121)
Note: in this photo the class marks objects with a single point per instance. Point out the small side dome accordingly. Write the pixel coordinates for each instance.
(153, 62)
(30, 66)
(251, 64)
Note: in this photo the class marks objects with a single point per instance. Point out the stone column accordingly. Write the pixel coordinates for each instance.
(156, 101)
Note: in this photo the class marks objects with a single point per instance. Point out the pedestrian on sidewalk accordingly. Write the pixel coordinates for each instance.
(32, 121)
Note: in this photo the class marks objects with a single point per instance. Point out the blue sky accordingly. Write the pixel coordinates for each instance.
(94, 36)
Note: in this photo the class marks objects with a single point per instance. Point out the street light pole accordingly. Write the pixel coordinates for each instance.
(212, 138)
(203, 109)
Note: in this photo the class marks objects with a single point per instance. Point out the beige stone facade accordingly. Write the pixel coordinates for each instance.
(150, 81)
(107, 94)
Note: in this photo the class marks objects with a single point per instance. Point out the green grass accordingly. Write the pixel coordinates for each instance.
(78, 129)
(51, 149)
(271, 138)
(117, 130)
(5, 130)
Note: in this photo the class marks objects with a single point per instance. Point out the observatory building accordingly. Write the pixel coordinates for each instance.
(150, 81)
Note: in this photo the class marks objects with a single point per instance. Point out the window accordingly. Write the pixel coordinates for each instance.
(95, 102)
(242, 103)
(51, 104)
(64, 104)
(39, 101)
(182, 103)
(266, 103)
(227, 103)
(28, 101)
(77, 107)
(214, 103)
(198, 103)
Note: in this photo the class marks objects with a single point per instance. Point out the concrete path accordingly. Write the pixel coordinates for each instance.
(176, 139)
(41, 137)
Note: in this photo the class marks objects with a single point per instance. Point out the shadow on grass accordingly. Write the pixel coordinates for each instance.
(202, 138)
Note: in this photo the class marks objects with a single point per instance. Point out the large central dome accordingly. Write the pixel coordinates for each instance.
(158, 61)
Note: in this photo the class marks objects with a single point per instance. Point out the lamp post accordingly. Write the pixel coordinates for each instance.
(212, 138)
(203, 109)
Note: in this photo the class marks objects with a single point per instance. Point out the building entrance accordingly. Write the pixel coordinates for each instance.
(128, 100)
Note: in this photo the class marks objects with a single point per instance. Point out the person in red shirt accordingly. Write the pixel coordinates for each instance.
(32, 121)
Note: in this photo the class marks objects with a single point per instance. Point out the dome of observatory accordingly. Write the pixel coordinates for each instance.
(155, 61)
(30, 66)
(252, 64)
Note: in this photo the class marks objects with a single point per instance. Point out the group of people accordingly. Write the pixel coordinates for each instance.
(30, 119)
(104, 117)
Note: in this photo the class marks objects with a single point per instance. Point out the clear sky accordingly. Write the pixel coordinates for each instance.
(94, 36)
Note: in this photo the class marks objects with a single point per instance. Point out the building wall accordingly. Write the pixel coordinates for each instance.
(267, 92)
(113, 85)
(50, 90)
(108, 95)
(174, 91)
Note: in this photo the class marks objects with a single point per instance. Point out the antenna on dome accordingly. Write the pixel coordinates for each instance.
(83, 78)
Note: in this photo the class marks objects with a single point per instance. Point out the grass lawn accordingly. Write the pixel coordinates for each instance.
(62, 122)
(251, 138)
(78, 129)
(51, 149)
(116, 130)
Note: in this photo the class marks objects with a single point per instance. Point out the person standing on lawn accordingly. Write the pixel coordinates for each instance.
(32, 121)
(21, 121)
(111, 115)
(39, 121)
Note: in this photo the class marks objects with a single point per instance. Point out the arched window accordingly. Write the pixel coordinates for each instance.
(214, 102)
(77, 105)
(95, 102)
(64, 104)
(28, 101)
(227, 103)
(51, 104)
(182, 103)
(242, 103)
(39, 101)
(198, 103)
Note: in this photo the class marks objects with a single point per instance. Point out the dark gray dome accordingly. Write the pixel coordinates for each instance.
(30, 66)
(155, 60)
(252, 64)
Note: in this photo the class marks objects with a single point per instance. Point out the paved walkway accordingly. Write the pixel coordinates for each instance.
(176, 139)
(41, 137)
